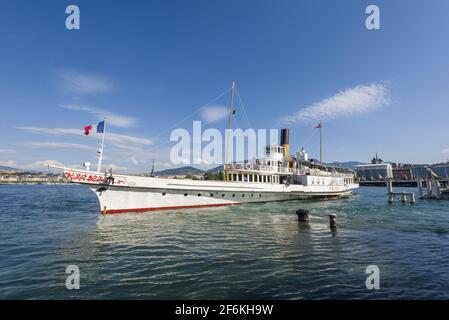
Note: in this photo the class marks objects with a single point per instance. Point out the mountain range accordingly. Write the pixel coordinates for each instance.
(4, 168)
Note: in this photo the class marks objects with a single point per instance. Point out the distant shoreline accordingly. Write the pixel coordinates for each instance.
(33, 183)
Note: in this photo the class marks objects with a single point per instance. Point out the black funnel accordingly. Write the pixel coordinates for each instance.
(284, 137)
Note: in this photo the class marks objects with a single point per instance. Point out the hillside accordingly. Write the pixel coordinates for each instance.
(179, 171)
(4, 168)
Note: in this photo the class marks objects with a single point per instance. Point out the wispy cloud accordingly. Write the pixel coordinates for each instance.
(57, 145)
(82, 83)
(214, 113)
(116, 168)
(117, 139)
(9, 163)
(7, 151)
(43, 164)
(134, 161)
(357, 100)
(113, 119)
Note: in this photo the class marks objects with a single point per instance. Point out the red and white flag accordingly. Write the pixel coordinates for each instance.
(318, 126)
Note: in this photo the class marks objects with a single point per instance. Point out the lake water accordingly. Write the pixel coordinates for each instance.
(239, 252)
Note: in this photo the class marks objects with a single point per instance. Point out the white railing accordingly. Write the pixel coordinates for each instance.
(300, 171)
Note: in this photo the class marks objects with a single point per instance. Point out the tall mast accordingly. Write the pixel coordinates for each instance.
(100, 158)
(231, 113)
(152, 170)
(321, 143)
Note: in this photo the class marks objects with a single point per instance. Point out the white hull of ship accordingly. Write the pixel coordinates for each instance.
(140, 194)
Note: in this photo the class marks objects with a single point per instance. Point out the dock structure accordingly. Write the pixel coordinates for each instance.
(403, 196)
(436, 187)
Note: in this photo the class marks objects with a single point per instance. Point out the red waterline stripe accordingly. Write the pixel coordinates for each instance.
(114, 211)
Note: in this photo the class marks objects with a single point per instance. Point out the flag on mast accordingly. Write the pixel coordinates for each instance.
(100, 128)
(318, 126)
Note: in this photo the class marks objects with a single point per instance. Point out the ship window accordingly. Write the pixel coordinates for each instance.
(211, 194)
(185, 194)
(250, 178)
(243, 195)
(223, 195)
(199, 194)
(252, 195)
(233, 195)
(234, 177)
(240, 177)
(260, 196)
(163, 193)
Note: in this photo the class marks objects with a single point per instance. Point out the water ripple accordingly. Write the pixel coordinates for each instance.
(248, 251)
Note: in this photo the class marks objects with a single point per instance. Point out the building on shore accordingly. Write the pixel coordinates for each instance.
(379, 170)
(409, 172)
(30, 178)
(374, 172)
(441, 169)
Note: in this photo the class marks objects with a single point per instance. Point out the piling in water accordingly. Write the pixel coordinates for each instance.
(333, 220)
(404, 197)
(303, 215)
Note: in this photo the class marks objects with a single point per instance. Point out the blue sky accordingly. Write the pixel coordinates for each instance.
(147, 65)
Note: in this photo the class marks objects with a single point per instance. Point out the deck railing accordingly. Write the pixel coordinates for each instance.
(298, 171)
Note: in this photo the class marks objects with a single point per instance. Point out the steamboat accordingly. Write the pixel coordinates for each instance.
(279, 176)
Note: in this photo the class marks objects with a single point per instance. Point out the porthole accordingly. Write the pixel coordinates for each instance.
(223, 195)
(233, 195)
(164, 193)
(211, 194)
(252, 195)
(185, 194)
(199, 194)
(243, 195)
(260, 196)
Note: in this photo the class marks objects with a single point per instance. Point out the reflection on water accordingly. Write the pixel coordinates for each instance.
(248, 251)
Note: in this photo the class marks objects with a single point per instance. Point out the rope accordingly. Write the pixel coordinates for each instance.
(192, 114)
(184, 119)
(243, 108)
